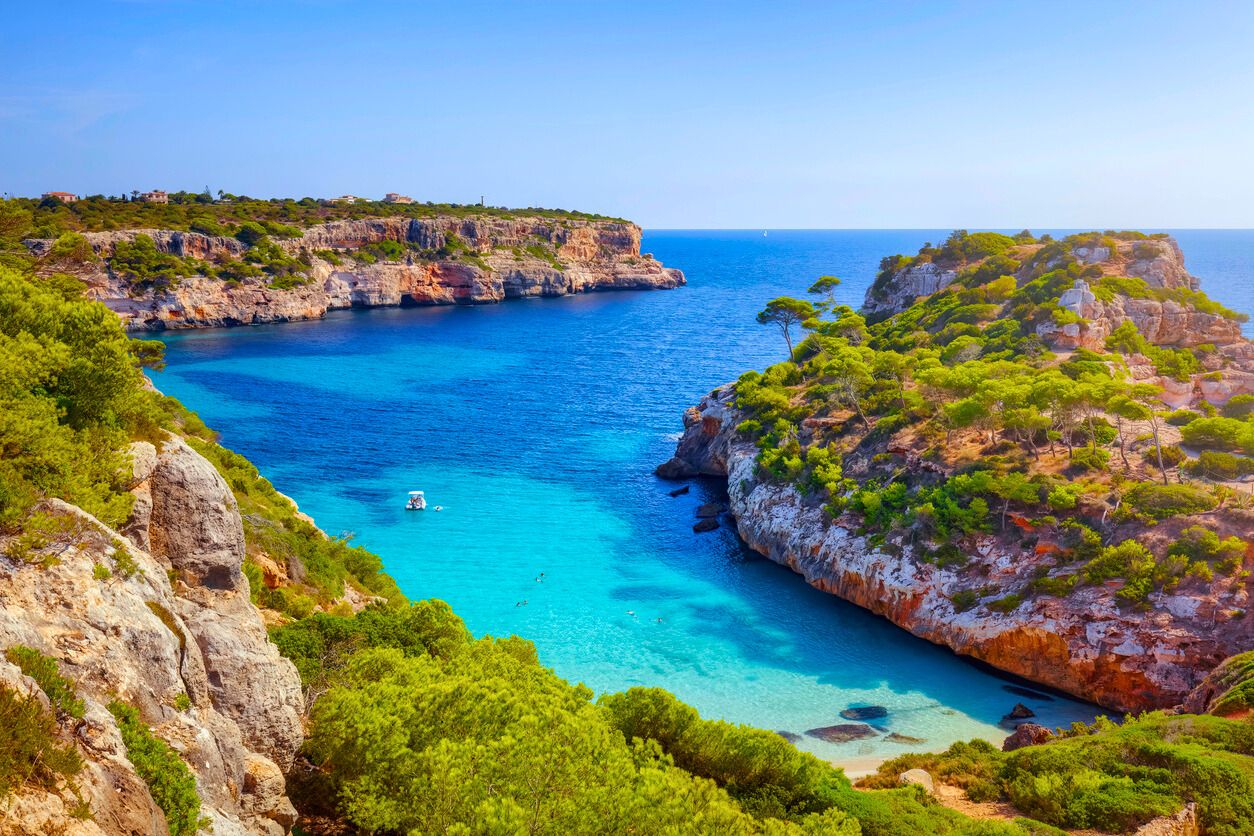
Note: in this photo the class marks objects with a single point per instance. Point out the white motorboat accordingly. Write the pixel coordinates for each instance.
(417, 501)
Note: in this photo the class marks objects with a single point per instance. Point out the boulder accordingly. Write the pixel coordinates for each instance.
(1026, 734)
(791, 737)
(1183, 823)
(707, 524)
(195, 525)
(1020, 712)
(681, 491)
(917, 777)
(675, 468)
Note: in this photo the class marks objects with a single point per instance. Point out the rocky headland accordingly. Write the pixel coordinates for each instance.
(368, 262)
(1007, 592)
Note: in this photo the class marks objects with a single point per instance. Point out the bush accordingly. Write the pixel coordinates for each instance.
(1090, 458)
(1181, 417)
(29, 749)
(44, 670)
(1006, 604)
(73, 397)
(1238, 406)
(1162, 501)
(1121, 776)
(1220, 466)
(1220, 433)
(169, 780)
(140, 262)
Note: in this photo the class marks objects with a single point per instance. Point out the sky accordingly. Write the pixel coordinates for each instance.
(674, 114)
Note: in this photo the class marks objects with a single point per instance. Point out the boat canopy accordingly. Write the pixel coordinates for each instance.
(415, 493)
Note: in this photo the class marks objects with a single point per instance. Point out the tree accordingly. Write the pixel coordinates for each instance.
(825, 286)
(784, 313)
(850, 371)
(1147, 396)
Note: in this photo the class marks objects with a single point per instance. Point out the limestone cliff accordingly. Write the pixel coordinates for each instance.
(1085, 643)
(158, 616)
(445, 261)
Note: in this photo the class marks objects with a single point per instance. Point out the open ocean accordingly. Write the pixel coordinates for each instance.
(537, 425)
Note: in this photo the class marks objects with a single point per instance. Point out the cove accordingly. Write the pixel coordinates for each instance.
(536, 425)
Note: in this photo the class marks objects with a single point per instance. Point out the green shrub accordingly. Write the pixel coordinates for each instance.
(169, 780)
(1214, 464)
(1162, 501)
(72, 398)
(1007, 603)
(1238, 406)
(140, 262)
(1120, 777)
(1090, 458)
(1220, 433)
(46, 673)
(30, 751)
(1234, 681)
(964, 599)
(1201, 544)
(1181, 417)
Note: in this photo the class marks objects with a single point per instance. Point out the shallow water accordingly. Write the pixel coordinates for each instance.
(536, 425)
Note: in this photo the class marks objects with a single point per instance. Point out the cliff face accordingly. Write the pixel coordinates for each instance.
(152, 615)
(502, 262)
(1084, 643)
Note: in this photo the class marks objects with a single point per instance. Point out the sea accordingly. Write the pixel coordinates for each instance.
(536, 424)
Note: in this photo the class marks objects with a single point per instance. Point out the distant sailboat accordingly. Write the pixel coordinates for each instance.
(764, 233)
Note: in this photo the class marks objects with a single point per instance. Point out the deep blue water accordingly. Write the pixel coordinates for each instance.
(537, 424)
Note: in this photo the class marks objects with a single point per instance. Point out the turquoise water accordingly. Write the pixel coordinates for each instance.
(537, 424)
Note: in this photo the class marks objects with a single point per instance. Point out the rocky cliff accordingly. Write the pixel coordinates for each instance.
(440, 261)
(1086, 643)
(158, 616)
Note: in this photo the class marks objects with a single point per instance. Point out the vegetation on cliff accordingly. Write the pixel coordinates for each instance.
(954, 418)
(228, 214)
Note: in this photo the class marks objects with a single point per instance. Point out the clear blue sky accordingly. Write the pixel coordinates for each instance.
(761, 114)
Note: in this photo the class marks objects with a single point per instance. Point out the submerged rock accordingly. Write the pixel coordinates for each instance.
(864, 712)
(897, 737)
(708, 524)
(681, 491)
(842, 732)
(791, 737)
(709, 509)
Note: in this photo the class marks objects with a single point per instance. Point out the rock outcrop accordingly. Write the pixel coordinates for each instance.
(498, 258)
(1084, 643)
(158, 615)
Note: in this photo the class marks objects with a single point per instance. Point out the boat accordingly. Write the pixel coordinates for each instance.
(764, 233)
(417, 501)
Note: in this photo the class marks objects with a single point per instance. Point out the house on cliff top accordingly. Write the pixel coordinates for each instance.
(393, 197)
(64, 197)
(155, 196)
